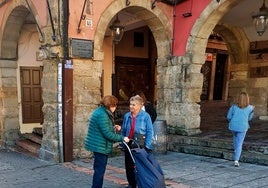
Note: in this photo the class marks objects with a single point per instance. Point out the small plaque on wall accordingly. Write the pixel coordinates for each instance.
(81, 48)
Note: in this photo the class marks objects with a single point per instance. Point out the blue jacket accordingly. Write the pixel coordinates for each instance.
(100, 136)
(143, 126)
(239, 118)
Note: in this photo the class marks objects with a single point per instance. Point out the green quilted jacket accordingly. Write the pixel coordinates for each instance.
(101, 135)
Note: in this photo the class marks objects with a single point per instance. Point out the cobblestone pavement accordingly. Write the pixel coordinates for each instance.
(181, 171)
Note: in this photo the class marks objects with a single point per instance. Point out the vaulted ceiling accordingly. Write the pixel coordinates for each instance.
(239, 16)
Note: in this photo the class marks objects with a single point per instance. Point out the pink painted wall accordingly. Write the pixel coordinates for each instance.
(76, 8)
(183, 26)
(39, 8)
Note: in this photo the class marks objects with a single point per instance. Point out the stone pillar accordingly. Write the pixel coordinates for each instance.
(179, 90)
(9, 113)
(49, 148)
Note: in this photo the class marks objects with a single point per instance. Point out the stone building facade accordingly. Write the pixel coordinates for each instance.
(180, 54)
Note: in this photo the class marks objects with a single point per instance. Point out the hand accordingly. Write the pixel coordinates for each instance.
(126, 139)
(117, 128)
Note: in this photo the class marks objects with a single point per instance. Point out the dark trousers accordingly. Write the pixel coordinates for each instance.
(129, 165)
(100, 162)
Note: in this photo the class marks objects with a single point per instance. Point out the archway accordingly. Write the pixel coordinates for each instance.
(18, 41)
(238, 73)
(153, 19)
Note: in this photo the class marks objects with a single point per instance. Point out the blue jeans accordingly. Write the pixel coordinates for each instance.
(238, 139)
(100, 162)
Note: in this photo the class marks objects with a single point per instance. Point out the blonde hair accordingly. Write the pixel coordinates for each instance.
(243, 100)
(137, 98)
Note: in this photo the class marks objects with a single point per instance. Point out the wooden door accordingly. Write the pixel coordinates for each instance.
(133, 74)
(31, 94)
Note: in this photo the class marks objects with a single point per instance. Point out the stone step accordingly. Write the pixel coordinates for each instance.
(246, 156)
(28, 145)
(256, 153)
(19, 149)
(199, 141)
(220, 143)
(36, 138)
(38, 130)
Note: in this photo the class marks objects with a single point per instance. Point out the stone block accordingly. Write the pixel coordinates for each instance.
(265, 118)
(50, 112)
(258, 82)
(192, 95)
(81, 113)
(8, 73)
(196, 80)
(9, 82)
(10, 136)
(49, 156)
(8, 64)
(11, 123)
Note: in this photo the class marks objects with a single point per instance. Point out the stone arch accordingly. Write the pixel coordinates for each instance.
(183, 112)
(205, 24)
(161, 29)
(15, 17)
(8, 51)
(154, 19)
(13, 21)
(11, 32)
(235, 40)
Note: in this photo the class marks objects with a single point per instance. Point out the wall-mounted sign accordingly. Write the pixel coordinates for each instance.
(209, 56)
(81, 48)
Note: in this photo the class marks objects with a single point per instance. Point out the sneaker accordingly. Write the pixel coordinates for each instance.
(236, 164)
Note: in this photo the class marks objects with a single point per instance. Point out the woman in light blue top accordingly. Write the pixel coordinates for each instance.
(239, 116)
(137, 125)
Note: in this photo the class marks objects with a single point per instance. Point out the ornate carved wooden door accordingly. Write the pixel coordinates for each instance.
(133, 74)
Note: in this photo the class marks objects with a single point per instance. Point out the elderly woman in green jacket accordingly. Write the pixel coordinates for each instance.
(101, 135)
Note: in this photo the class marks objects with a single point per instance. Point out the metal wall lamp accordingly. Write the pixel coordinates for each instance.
(168, 2)
(117, 29)
(260, 19)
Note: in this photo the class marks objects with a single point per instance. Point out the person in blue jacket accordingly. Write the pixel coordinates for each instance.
(239, 116)
(137, 125)
(101, 135)
(147, 106)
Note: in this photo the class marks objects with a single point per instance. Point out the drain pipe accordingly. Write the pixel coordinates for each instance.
(65, 20)
(60, 117)
(60, 121)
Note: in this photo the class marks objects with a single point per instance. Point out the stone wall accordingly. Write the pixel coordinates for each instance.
(86, 96)
(256, 88)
